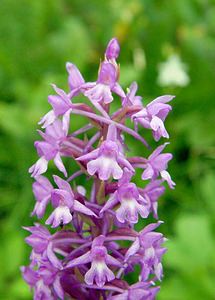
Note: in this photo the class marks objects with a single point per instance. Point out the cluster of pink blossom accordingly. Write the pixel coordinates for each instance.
(84, 258)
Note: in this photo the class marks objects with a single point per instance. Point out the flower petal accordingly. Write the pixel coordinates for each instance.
(59, 164)
(82, 208)
(39, 167)
(148, 173)
(165, 175)
(113, 49)
(62, 184)
(81, 260)
(75, 77)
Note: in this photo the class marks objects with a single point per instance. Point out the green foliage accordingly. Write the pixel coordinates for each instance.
(37, 37)
(191, 257)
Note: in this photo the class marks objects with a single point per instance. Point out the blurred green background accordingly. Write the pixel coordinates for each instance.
(167, 47)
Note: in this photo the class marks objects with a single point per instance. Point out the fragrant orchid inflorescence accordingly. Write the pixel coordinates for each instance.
(84, 257)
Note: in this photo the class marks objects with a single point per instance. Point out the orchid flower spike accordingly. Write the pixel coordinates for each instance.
(78, 252)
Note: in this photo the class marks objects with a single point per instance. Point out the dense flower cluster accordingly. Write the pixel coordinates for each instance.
(84, 257)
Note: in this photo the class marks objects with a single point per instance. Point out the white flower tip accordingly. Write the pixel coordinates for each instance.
(53, 85)
(69, 66)
(160, 222)
(81, 190)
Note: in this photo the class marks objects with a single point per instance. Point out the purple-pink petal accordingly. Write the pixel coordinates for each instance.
(113, 49)
(75, 77)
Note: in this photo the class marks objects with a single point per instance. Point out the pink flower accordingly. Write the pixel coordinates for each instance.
(101, 90)
(157, 164)
(42, 189)
(107, 160)
(153, 116)
(51, 148)
(99, 258)
(65, 204)
(131, 202)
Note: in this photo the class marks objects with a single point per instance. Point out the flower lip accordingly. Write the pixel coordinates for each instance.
(61, 215)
